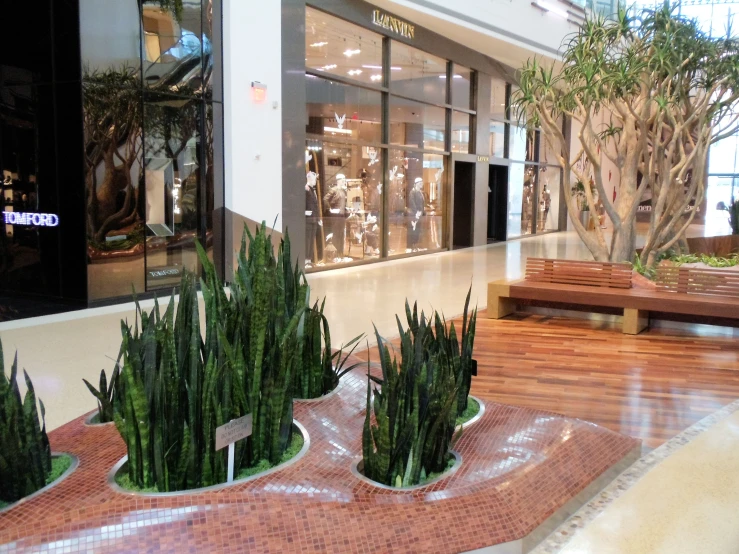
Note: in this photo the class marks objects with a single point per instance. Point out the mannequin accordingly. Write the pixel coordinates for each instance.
(416, 210)
(312, 217)
(526, 210)
(546, 199)
(375, 199)
(371, 236)
(335, 205)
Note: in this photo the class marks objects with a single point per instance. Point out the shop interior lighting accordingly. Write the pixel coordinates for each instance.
(455, 77)
(376, 78)
(337, 131)
(349, 53)
(328, 67)
(378, 67)
(318, 44)
(551, 8)
(354, 72)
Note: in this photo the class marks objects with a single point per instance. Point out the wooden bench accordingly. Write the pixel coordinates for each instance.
(591, 286)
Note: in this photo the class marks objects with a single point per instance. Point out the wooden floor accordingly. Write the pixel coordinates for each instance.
(651, 386)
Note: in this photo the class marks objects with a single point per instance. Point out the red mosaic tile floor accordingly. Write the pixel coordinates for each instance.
(519, 466)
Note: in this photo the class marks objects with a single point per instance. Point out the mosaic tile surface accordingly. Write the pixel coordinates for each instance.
(518, 467)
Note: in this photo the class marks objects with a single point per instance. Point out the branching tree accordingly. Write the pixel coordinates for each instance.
(112, 127)
(666, 90)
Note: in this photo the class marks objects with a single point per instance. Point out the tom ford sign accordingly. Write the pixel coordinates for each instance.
(24, 218)
(398, 26)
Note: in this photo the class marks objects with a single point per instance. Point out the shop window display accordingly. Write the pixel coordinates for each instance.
(415, 202)
(343, 203)
(550, 178)
(497, 139)
(498, 100)
(343, 112)
(417, 74)
(417, 125)
(462, 87)
(336, 47)
(461, 126)
(521, 199)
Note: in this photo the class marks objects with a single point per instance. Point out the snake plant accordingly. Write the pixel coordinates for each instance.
(319, 369)
(178, 383)
(25, 454)
(105, 394)
(444, 343)
(415, 411)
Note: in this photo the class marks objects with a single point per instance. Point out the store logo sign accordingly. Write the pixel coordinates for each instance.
(23, 218)
(398, 26)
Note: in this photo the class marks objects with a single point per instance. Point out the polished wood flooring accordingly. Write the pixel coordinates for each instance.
(651, 386)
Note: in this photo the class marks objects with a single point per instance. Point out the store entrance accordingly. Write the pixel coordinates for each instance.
(497, 203)
(464, 193)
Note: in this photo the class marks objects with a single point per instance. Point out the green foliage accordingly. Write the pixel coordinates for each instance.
(473, 408)
(712, 261)
(105, 394)
(648, 272)
(25, 454)
(416, 406)
(319, 369)
(179, 383)
(444, 344)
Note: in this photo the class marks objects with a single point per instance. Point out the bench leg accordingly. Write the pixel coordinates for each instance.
(499, 305)
(635, 321)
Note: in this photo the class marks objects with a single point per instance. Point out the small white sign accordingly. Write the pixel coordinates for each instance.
(233, 431)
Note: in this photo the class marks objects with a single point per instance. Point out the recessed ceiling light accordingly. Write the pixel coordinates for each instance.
(318, 44)
(327, 67)
(376, 78)
(455, 77)
(353, 72)
(350, 53)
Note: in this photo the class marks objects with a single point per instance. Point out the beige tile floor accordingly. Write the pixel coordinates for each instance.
(687, 504)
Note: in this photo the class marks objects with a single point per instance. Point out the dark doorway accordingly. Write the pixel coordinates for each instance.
(464, 188)
(497, 203)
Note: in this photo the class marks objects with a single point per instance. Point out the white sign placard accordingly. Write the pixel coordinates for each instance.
(233, 431)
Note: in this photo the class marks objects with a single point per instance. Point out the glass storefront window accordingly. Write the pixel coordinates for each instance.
(497, 139)
(343, 203)
(462, 87)
(723, 156)
(461, 126)
(417, 74)
(173, 180)
(498, 99)
(415, 202)
(343, 112)
(417, 125)
(521, 199)
(336, 47)
(550, 178)
(521, 145)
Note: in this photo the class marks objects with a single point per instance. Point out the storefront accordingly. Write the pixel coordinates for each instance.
(410, 148)
(110, 128)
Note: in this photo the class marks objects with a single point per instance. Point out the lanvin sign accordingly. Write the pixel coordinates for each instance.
(398, 26)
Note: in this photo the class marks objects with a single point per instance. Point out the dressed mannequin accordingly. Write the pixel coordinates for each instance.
(312, 217)
(335, 205)
(546, 198)
(526, 210)
(375, 199)
(371, 236)
(416, 204)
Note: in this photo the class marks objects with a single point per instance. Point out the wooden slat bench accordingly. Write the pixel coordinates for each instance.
(591, 285)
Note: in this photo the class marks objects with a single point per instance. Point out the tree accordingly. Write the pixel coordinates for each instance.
(667, 90)
(112, 126)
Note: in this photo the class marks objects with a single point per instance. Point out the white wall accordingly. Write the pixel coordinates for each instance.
(252, 132)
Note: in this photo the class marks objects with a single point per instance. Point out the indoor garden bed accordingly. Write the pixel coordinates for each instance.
(120, 481)
(61, 466)
(453, 463)
(473, 413)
